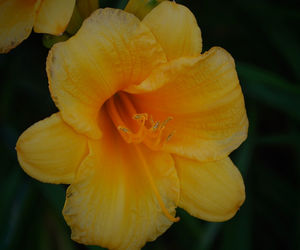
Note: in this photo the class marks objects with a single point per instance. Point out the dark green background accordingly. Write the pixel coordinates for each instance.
(263, 37)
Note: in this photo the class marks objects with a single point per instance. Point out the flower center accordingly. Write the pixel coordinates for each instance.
(136, 127)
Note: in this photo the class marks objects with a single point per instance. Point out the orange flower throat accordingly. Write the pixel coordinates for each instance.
(136, 128)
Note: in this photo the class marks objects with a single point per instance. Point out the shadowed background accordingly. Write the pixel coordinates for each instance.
(263, 37)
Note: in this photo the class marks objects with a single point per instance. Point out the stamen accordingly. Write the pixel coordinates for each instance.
(158, 138)
(151, 120)
(143, 116)
(125, 130)
(113, 113)
(150, 135)
(170, 136)
(158, 197)
(166, 121)
(154, 128)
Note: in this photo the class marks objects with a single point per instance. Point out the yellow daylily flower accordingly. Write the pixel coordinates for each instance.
(145, 124)
(18, 17)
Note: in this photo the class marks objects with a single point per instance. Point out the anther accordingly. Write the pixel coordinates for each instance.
(143, 116)
(170, 136)
(126, 130)
(154, 128)
(145, 130)
(166, 121)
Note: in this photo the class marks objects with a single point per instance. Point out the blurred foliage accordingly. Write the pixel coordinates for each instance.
(263, 37)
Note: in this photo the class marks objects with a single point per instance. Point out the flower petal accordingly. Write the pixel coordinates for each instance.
(112, 204)
(212, 191)
(86, 7)
(141, 8)
(53, 16)
(111, 50)
(204, 97)
(51, 151)
(176, 29)
(16, 21)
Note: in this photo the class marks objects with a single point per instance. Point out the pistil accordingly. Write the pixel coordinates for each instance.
(154, 188)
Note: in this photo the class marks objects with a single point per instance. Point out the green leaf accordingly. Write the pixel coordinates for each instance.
(50, 40)
(209, 236)
(272, 20)
(55, 194)
(237, 232)
(75, 22)
(8, 187)
(15, 216)
(242, 157)
(95, 248)
(291, 138)
(122, 4)
(270, 89)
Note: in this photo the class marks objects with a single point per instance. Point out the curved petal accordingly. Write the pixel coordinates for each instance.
(212, 191)
(86, 7)
(16, 21)
(51, 151)
(112, 204)
(176, 29)
(111, 50)
(204, 97)
(53, 16)
(141, 8)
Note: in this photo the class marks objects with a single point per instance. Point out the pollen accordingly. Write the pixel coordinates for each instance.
(144, 129)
